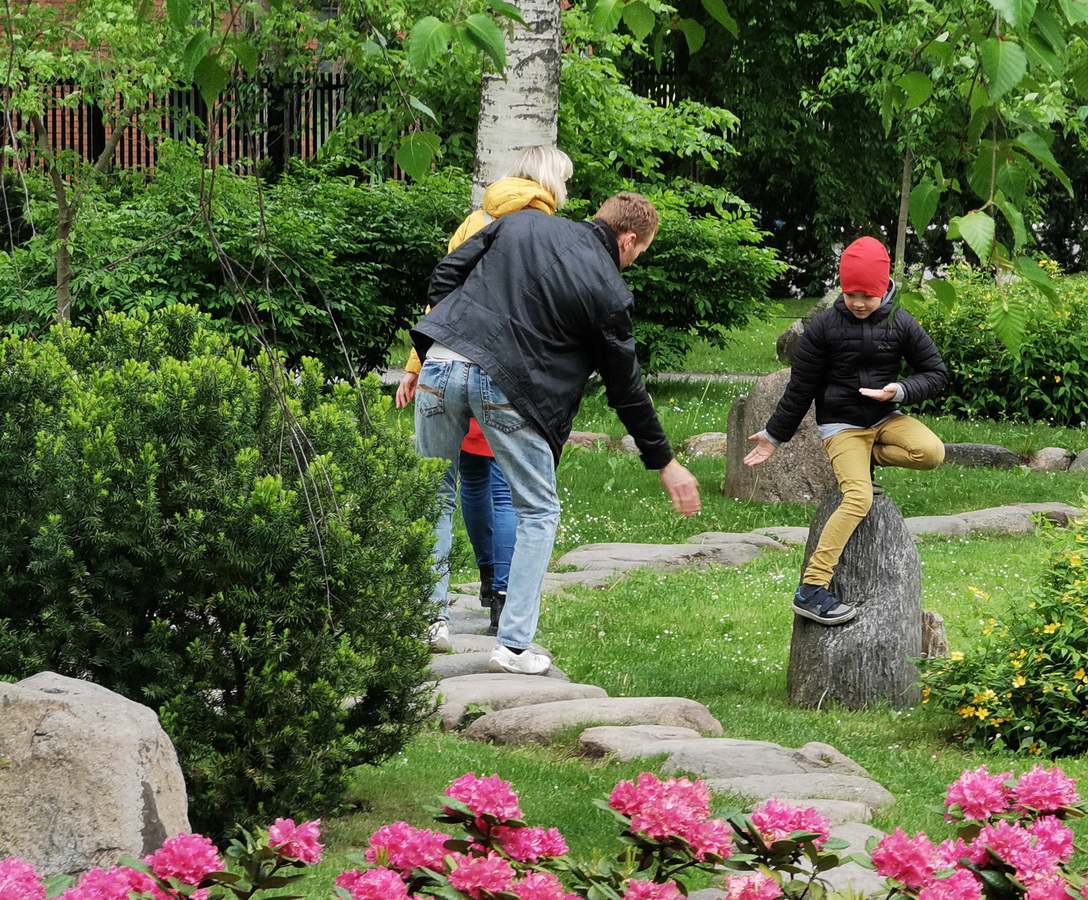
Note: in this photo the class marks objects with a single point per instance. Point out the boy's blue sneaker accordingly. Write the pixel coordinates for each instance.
(815, 602)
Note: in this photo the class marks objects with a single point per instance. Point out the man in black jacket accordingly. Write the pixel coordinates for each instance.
(848, 361)
(522, 314)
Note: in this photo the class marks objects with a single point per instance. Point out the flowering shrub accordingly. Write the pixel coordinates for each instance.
(1011, 842)
(1025, 686)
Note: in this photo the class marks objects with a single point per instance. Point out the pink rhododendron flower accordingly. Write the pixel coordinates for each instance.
(187, 857)
(476, 874)
(1052, 838)
(19, 881)
(541, 886)
(979, 794)
(1052, 887)
(951, 852)
(1008, 842)
(776, 821)
(405, 848)
(299, 842)
(647, 890)
(752, 887)
(712, 837)
(117, 884)
(910, 861)
(1045, 790)
(658, 808)
(374, 884)
(960, 885)
(490, 796)
(531, 845)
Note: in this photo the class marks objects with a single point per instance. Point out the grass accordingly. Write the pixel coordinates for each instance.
(750, 350)
(721, 635)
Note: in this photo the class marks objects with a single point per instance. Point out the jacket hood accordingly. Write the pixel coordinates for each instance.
(513, 194)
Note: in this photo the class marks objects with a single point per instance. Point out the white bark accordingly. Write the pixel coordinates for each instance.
(522, 110)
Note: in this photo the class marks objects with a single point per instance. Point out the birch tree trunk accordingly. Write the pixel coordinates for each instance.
(522, 110)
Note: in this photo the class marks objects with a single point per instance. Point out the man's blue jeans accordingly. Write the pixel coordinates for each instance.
(448, 394)
(489, 514)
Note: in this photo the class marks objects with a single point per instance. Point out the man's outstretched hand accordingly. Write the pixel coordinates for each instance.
(683, 488)
(762, 451)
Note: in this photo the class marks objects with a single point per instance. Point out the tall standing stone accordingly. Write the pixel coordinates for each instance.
(871, 658)
(799, 471)
(86, 776)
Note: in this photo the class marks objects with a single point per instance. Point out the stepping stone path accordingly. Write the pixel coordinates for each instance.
(680, 733)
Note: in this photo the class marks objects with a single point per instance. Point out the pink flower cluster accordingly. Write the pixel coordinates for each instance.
(776, 821)
(373, 884)
(541, 886)
(299, 842)
(530, 845)
(677, 807)
(19, 881)
(486, 796)
(476, 874)
(118, 883)
(979, 795)
(758, 886)
(647, 890)
(404, 848)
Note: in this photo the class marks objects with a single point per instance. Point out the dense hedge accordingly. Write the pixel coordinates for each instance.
(238, 547)
(1047, 381)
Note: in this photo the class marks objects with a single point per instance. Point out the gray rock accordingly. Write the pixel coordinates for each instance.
(556, 582)
(625, 444)
(604, 740)
(588, 439)
(1002, 519)
(721, 538)
(717, 757)
(710, 444)
(1058, 513)
(1080, 462)
(469, 617)
(658, 556)
(1050, 459)
(945, 526)
(789, 339)
(474, 662)
(504, 692)
(87, 776)
(799, 471)
(934, 636)
(851, 876)
(975, 455)
(837, 812)
(807, 786)
(818, 757)
(710, 893)
(539, 724)
(791, 535)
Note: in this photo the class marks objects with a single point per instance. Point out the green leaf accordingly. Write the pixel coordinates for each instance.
(1031, 270)
(945, 293)
(977, 229)
(917, 86)
(720, 14)
(606, 16)
(638, 17)
(1018, 13)
(923, 205)
(1004, 64)
(891, 102)
(1079, 76)
(911, 301)
(179, 12)
(1008, 318)
(197, 48)
(488, 37)
(428, 39)
(506, 9)
(416, 154)
(1035, 145)
(1076, 11)
(693, 32)
(210, 77)
(422, 107)
(1014, 217)
(249, 58)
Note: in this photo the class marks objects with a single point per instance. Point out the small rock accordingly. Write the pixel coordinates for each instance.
(504, 692)
(809, 786)
(588, 439)
(1002, 519)
(710, 444)
(818, 757)
(625, 444)
(974, 455)
(837, 812)
(721, 538)
(1080, 462)
(1050, 459)
(791, 535)
(945, 526)
(658, 556)
(604, 740)
(538, 724)
(934, 636)
(1058, 513)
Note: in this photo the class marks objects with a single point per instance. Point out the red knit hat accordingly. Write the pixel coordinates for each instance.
(865, 267)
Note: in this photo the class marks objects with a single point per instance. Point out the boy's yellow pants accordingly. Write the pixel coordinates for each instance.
(901, 441)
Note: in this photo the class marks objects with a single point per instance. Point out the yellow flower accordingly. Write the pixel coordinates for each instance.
(1074, 561)
(1052, 627)
(987, 694)
(982, 595)
(982, 713)
(1080, 674)
(1035, 748)
(966, 711)
(955, 656)
(1020, 680)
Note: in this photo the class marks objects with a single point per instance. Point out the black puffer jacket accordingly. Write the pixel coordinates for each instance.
(839, 353)
(538, 303)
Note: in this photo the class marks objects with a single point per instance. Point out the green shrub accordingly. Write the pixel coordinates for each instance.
(239, 547)
(1048, 379)
(1025, 684)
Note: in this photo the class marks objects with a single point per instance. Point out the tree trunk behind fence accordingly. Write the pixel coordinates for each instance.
(870, 659)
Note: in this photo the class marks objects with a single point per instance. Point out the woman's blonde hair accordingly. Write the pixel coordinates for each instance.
(549, 167)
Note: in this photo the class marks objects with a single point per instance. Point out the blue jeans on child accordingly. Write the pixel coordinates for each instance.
(448, 394)
(488, 513)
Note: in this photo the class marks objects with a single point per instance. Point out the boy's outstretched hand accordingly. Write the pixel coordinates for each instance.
(763, 450)
(885, 393)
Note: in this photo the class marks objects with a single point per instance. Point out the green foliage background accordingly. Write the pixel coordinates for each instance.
(239, 547)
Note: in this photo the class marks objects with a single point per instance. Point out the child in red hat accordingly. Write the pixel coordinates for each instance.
(848, 361)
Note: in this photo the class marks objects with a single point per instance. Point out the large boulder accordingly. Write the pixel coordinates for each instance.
(799, 471)
(86, 776)
(789, 339)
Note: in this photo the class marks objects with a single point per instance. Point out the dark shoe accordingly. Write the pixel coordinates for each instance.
(487, 579)
(878, 489)
(498, 601)
(816, 603)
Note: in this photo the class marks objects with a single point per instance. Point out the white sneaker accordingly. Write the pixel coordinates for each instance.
(503, 659)
(439, 637)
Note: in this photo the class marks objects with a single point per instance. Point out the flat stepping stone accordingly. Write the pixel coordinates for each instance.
(945, 526)
(1058, 513)
(539, 724)
(474, 662)
(469, 618)
(790, 535)
(604, 740)
(980, 455)
(1001, 519)
(723, 538)
(851, 877)
(503, 691)
(555, 582)
(809, 786)
(837, 812)
(658, 556)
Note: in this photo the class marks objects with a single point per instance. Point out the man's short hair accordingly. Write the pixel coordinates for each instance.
(629, 212)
